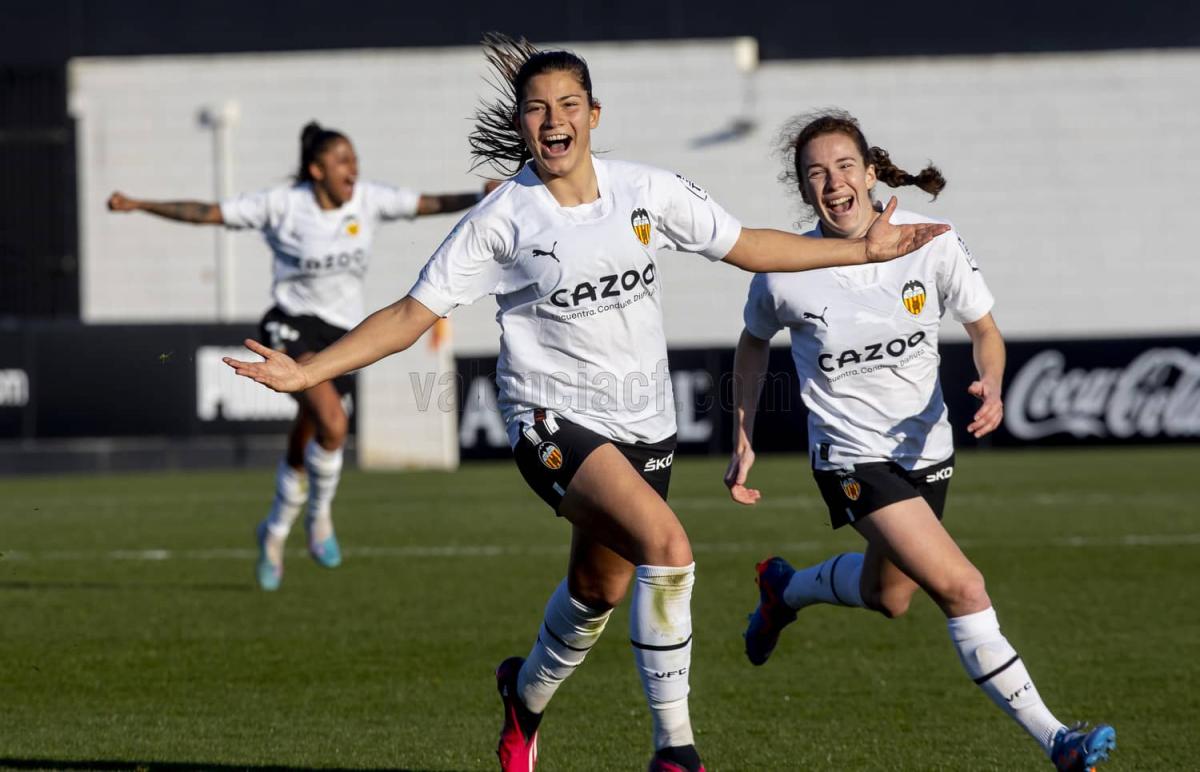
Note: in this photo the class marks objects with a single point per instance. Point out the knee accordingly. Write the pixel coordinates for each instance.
(599, 595)
(965, 593)
(892, 602)
(670, 547)
(332, 429)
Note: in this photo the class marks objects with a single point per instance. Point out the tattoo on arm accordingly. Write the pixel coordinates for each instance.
(185, 211)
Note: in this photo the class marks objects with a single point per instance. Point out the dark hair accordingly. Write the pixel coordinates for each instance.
(496, 140)
(805, 128)
(314, 140)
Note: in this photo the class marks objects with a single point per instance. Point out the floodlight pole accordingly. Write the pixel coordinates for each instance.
(222, 122)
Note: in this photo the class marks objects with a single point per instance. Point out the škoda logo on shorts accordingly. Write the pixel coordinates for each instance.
(550, 456)
(851, 488)
(913, 295)
(640, 220)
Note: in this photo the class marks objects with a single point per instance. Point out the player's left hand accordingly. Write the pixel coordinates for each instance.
(886, 241)
(990, 413)
(736, 474)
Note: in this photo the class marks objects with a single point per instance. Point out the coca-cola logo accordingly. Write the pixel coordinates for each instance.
(1155, 395)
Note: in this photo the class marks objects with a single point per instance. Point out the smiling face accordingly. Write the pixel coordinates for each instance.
(334, 172)
(837, 182)
(556, 119)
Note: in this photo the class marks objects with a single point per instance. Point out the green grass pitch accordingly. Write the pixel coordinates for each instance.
(132, 634)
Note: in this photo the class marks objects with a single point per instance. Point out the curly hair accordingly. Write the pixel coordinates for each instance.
(799, 131)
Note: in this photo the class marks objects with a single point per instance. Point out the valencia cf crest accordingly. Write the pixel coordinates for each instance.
(640, 220)
(352, 226)
(851, 488)
(913, 295)
(550, 456)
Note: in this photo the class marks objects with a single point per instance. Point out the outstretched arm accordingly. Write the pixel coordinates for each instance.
(387, 331)
(441, 203)
(181, 211)
(987, 347)
(749, 366)
(763, 249)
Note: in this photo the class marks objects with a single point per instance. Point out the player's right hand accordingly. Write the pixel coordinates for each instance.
(279, 372)
(736, 474)
(119, 202)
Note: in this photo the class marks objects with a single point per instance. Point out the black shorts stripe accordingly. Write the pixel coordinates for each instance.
(985, 678)
(833, 582)
(561, 642)
(648, 647)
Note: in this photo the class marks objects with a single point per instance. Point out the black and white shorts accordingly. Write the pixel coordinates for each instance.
(853, 494)
(550, 451)
(297, 335)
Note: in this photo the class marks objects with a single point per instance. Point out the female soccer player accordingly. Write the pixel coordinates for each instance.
(569, 248)
(864, 342)
(320, 230)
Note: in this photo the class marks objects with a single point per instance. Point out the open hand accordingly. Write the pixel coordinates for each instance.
(990, 413)
(279, 372)
(119, 202)
(886, 241)
(735, 478)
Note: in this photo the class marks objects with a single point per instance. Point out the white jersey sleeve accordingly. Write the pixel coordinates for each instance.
(469, 264)
(760, 315)
(690, 221)
(385, 202)
(257, 210)
(960, 284)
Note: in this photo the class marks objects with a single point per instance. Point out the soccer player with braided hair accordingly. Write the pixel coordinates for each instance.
(319, 229)
(864, 343)
(569, 246)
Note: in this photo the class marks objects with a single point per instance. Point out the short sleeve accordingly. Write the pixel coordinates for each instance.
(960, 284)
(389, 203)
(760, 315)
(467, 266)
(252, 210)
(691, 221)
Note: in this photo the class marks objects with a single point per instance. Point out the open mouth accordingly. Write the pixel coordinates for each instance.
(840, 205)
(556, 144)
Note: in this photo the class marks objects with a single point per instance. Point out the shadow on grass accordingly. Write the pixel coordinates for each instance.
(179, 766)
(155, 586)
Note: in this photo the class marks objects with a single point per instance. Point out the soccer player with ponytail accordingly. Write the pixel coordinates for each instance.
(319, 230)
(569, 247)
(864, 343)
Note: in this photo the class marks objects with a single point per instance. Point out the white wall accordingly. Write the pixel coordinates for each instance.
(1069, 175)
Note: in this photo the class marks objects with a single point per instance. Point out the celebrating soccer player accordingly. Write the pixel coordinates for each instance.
(864, 342)
(319, 230)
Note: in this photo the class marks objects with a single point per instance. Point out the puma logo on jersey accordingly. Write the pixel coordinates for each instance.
(820, 316)
(550, 254)
(610, 286)
(657, 464)
(872, 352)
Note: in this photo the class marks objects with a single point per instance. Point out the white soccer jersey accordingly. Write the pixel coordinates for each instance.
(320, 255)
(579, 292)
(864, 340)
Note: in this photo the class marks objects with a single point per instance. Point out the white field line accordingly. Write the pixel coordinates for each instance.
(493, 550)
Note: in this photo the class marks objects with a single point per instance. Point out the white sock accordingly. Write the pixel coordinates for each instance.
(997, 668)
(324, 471)
(660, 628)
(289, 499)
(834, 581)
(568, 632)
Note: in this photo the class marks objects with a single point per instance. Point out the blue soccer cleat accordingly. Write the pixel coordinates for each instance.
(269, 568)
(327, 553)
(773, 614)
(1079, 749)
